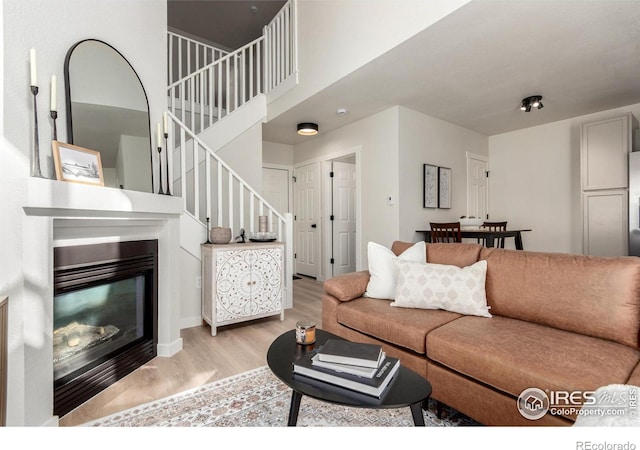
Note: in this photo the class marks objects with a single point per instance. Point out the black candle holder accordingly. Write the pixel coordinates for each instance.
(166, 136)
(160, 168)
(35, 157)
(54, 116)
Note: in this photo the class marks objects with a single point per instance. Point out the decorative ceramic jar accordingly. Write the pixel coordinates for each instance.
(220, 235)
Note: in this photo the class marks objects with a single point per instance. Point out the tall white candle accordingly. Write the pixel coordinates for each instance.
(166, 126)
(53, 93)
(159, 136)
(34, 77)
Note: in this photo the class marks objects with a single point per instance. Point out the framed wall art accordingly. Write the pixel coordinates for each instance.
(430, 186)
(77, 164)
(444, 187)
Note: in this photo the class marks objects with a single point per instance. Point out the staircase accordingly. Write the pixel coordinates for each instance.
(212, 87)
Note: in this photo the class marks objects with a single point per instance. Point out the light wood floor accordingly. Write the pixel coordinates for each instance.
(235, 349)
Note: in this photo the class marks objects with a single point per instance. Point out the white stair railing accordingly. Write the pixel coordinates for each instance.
(186, 55)
(280, 47)
(211, 189)
(215, 90)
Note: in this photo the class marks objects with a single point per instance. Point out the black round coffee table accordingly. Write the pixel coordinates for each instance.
(407, 389)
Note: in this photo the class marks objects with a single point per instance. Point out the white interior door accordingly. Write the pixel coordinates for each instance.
(275, 188)
(306, 194)
(477, 186)
(344, 218)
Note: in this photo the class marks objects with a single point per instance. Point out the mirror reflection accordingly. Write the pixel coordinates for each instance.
(108, 111)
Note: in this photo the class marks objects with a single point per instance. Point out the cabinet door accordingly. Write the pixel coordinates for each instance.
(605, 146)
(233, 284)
(605, 223)
(266, 273)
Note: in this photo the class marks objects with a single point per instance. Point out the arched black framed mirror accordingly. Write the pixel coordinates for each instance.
(108, 111)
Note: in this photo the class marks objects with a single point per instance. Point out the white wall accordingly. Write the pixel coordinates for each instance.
(426, 140)
(138, 29)
(276, 153)
(394, 145)
(244, 155)
(338, 36)
(534, 182)
(377, 138)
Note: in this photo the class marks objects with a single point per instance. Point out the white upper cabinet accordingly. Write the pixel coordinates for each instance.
(605, 146)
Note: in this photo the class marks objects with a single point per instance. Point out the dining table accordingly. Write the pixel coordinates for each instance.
(489, 236)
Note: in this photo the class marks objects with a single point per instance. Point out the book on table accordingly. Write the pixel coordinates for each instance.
(361, 371)
(374, 386)
(352, 353)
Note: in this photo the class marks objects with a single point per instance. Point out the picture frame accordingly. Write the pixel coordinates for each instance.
(76, 164)
(429, 186)
(444, 187)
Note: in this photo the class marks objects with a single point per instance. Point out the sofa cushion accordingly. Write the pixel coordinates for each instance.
(347, 286)
(442, 286)
(382, 283)
(460, 255)
(399, 326)
(512, 355)
(595, 296)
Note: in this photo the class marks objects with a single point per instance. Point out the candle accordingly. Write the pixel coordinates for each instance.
(166, 127)
(159, 137)
(34, 78)
(53, 93)
(305, 332)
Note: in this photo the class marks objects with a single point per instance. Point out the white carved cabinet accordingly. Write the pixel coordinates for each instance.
(242, 282)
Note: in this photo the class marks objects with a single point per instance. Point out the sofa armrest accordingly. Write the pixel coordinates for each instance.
(348, 286)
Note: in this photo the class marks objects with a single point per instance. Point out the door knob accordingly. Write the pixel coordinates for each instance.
(313, 225)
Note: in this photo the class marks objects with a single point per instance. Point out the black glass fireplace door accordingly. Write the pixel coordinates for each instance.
(92, 323)
(105, 320)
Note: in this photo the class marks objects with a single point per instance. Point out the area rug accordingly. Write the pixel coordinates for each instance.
(258, 399)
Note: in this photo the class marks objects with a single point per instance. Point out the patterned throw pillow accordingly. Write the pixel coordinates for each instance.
(440, 286)
(382, 283)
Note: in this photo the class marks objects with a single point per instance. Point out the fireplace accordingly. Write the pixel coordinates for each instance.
(105, 316)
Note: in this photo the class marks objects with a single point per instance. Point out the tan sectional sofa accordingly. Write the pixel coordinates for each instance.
(559, 322)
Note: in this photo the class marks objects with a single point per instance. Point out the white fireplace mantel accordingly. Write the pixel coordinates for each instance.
(62, 199)
(59, 213)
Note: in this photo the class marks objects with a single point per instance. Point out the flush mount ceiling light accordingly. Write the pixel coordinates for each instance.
(534, 101)
(307, 129)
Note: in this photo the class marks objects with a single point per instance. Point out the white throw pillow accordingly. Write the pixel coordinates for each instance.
(441, 286)
(382, 283)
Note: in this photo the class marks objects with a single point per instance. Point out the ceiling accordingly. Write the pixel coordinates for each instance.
(475, 66)
(228, 23)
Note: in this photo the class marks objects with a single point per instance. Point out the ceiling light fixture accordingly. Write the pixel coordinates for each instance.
(534, 101)
(341, 112)
(307, 129)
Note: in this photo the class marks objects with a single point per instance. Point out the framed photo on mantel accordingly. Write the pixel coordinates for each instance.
(77, 164)
(430, 186)
(444, 187)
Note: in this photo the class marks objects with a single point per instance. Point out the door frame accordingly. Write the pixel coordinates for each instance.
(289, 170)
(485, 158)
(317, 213)
(324, 242)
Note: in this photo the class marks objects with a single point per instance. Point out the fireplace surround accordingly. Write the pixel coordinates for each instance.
(105, 316)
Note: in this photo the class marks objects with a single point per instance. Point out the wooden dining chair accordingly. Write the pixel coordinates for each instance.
(495, 226)
(445, 232)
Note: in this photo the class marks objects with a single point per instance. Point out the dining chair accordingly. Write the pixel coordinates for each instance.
(495, 226)
(445, 232)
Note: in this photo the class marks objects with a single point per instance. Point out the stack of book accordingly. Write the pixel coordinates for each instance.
(363, 368)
